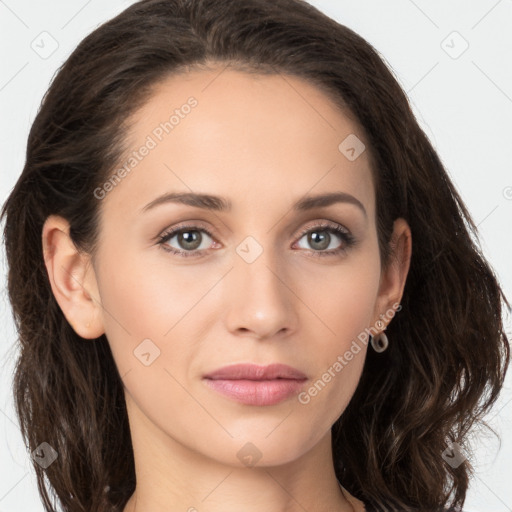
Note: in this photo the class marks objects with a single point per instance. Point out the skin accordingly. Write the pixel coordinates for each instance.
(262, 142)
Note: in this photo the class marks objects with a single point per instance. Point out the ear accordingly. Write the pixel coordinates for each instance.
(392, 282)
(72, 279)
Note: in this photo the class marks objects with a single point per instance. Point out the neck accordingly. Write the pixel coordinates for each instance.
(173, 477)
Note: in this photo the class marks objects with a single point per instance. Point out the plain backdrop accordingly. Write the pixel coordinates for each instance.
(454, 61)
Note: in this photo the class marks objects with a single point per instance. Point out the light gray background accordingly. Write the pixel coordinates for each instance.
(463, 100)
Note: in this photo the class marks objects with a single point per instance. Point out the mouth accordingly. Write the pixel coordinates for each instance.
(251, 384)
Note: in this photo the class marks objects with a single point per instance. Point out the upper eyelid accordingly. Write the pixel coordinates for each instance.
(324, 224)
(195, 225)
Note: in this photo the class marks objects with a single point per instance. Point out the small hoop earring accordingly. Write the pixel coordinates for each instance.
(380, 343)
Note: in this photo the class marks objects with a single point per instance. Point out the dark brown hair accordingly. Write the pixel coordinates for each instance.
(448, 354)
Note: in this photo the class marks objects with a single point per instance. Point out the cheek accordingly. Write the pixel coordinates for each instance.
(146, 322)
(339, 356)
(342, 297)
(138, 305)
(343, 301)
(143, 295)
(152, 306)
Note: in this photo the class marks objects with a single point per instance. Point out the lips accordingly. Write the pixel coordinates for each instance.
(251, 384)
(255, 372)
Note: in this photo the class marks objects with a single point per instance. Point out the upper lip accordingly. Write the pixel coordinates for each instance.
(256, 372)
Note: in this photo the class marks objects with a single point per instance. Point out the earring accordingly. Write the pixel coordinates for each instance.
(379, 343)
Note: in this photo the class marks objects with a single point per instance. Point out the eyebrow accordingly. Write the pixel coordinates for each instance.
(221, 204)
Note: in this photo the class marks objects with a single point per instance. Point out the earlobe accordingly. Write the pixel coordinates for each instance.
(72, 279)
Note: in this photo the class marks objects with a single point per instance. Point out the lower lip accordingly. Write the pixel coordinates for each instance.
(257, 392)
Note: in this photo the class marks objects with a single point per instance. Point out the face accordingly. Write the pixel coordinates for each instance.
(260, 275)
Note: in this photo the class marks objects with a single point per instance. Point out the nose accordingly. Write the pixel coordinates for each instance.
(259, 299)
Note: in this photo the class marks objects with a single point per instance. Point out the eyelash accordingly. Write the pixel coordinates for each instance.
(346, 237)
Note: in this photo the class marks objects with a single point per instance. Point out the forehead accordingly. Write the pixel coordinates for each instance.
(259, 139)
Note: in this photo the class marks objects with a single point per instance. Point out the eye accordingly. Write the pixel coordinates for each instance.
(188, 238)
(320, 238)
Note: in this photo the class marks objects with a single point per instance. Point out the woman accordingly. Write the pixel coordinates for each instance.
(185, 343)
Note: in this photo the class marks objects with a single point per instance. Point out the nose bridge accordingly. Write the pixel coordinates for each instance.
(262, 303)
(259, 267)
